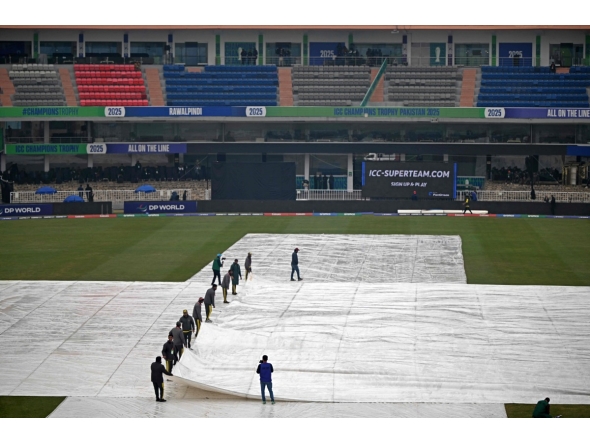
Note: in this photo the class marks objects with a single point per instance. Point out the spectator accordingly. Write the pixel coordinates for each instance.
(331, 182)
(254, 55)
(414, 195)
(552, 67)
(89, 193)
(244, 56)
(184, 195)
(81, 191)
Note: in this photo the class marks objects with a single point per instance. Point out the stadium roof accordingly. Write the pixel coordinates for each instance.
(308, 27)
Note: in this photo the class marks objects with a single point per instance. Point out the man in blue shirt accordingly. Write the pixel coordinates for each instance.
(265, 371)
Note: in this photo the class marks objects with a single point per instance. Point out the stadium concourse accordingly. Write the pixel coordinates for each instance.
(381, 326)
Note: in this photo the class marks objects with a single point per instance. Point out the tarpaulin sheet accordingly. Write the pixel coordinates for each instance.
(376, 319)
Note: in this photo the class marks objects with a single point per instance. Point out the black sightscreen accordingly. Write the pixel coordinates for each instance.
(253, 181)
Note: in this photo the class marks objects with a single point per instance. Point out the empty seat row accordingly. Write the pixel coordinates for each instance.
(111, 88)
(324, 82)
(222, 103)
(403, 96)
(529, 97)
(321, 68)
(325, 103)
(108, 74)
(423, 89)
(40, 88)
(445, 104)
(341, 75)
(535, 76)
(532, 104)
(425, 82)
(329, 96)
(221, 96)
(32, 67)
(22, 81)
(38, 94)
(221, 88)
(39, 102)
(537, 83)
(220, 75)
(241, 68)
(107, 95)
(117, 81)
(257, 82)
(32, 74)
(517, 69)
(111, 102)
(422, 75)
(532, 90)
(103, 67)
(319, 89)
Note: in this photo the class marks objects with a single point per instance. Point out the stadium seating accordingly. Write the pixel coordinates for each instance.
(422, 86)
(110, 85)
(36, 85)
(330, 85)
(223, 85)
(533, 87)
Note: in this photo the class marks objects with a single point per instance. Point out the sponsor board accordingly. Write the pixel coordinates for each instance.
(152, 208)
(26, 210)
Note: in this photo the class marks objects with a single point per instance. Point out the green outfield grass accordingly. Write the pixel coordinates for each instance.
(28, 406)
(496, 251)
(565, 410)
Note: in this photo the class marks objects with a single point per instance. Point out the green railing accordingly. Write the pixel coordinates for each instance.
(375, 82)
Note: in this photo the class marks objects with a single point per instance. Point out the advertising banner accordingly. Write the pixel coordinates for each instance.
(161, 207)
(430, 180)
(437, 54)
(51, 111)
(516, 54)
(321, 51)
(547, 113)
(26, 210)
(182, 111)
(46, 148)
(375, 112)
(146, 148)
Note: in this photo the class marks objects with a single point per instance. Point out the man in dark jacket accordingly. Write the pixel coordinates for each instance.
(236, 276)
(225, 285)
(169, 352)
(197, 316)
(248, 265)
(178, 338)
(188, 327)
(542, 409)
(265, 371)
(217, 264)
(295, 265)
(210, 302)
(158, 380)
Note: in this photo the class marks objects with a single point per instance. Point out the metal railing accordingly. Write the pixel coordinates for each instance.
(328, 195)
(525, 196)
(99, 196)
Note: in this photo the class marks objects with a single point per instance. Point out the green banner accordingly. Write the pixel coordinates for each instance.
(37, 112)
(46, 148)
(438, 54)
(375, 112)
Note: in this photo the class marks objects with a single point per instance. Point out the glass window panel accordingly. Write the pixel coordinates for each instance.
(103, 48)
(283, 53)
(240, 53)
(472, 54)
(191, 53)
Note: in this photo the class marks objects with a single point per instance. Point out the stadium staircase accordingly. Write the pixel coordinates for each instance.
(6, 88)
(153, 81)
(330, 85)
(377, 96)
(110, 85)
(68, 86)
(514, 86)
(422, 86)
(285, 87)
(468, 88)
(222, 85)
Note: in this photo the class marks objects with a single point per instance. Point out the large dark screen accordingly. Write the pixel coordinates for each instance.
(399, 179)
(253, 181)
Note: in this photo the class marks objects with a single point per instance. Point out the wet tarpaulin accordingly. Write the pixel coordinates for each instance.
(399, 326)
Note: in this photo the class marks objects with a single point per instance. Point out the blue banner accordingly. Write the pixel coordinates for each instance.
(161, 207)
(185, 111)
(321, 51)
(26, 210)
(547, 113)
(146, 148)
(516, 54)
(578, 150)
